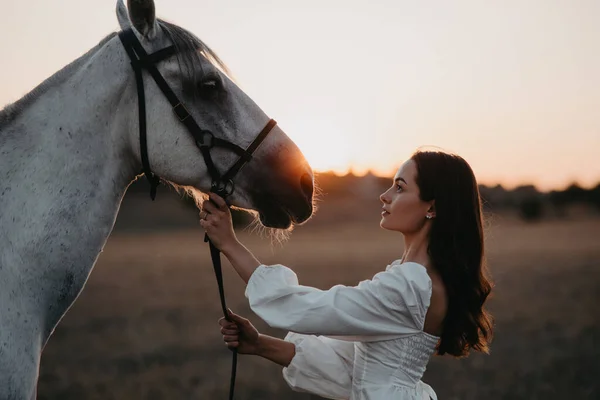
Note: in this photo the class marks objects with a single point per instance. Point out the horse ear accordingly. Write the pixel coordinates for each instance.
(122, 16)
(143, 17)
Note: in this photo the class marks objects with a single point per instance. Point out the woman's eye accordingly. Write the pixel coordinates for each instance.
(398, 188)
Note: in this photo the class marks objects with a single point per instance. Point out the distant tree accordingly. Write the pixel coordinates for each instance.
(487, 202)
(575, 194)
(521, 195)
(495, 198)
(558, 200)
(594, 197)
(531, 209)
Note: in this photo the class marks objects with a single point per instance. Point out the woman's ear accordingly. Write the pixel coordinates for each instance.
(431, 210)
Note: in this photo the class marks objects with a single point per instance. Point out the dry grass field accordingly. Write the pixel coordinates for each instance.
(145, 326)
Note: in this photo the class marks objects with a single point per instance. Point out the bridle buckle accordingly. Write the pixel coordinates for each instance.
(203, 142)
(223, 189)
(181, 112)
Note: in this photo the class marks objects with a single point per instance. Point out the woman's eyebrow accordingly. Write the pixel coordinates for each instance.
(400, 179)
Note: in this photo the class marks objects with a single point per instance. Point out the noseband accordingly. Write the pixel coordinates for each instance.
(223, 185)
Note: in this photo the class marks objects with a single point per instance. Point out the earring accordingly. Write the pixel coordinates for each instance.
(428, 216)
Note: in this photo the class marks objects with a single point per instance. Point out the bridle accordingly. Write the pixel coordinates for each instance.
(223, 185)
(204, 139)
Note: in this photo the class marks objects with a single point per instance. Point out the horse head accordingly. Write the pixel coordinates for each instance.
(277, 182)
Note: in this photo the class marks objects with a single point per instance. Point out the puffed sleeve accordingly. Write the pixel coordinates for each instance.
(321, 366)
(394, 302)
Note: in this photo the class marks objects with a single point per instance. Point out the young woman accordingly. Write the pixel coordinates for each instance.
(373, 341)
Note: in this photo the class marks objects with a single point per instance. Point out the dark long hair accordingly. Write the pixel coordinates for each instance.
(456, 249)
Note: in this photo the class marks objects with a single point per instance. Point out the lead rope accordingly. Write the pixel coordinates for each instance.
(215, 255)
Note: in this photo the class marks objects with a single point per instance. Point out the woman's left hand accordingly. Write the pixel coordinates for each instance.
(215, 218)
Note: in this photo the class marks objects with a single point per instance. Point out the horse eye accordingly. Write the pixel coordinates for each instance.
(210, 86)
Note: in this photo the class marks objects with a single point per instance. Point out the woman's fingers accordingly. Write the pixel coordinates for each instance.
(231, 330)
(234, 331)
(215, 205)
(231, 338)
(230, 326)
(209, 206)
(234, 316)
(232, 341)
(218, 201)
(224, 322)
(237, 319)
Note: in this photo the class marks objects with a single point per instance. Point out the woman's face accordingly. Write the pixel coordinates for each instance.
(403, 210)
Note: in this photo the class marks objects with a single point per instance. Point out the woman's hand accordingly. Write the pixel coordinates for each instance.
(215, 218)
(240, 334)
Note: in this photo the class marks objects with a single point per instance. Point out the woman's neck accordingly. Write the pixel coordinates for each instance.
(416, 248)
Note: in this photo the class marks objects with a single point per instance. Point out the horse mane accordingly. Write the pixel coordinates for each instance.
(13, 110)
(189, 50)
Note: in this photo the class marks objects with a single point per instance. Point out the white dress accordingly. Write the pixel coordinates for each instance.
(360, 343)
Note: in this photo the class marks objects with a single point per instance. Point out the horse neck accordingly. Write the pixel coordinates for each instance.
(68, 160)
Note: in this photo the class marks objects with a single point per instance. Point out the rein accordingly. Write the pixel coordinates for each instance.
(223, 185)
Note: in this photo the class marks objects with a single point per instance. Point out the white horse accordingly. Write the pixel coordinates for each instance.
(69, 150)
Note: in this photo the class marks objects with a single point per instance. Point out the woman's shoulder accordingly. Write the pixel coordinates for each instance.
(406, 277)
(430, 293)
(408, 286)
(410, 270)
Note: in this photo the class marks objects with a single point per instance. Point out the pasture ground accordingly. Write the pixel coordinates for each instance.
(145, 326)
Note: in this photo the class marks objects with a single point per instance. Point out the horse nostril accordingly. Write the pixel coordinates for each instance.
(306, 183)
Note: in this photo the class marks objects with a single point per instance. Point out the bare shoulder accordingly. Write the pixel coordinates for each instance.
(438, 305)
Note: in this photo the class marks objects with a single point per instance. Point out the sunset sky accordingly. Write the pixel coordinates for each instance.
(512, 86)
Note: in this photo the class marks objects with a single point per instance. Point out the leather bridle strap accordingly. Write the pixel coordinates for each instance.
(232, 172)
(221, 184)
(203, 138)
(154, 180)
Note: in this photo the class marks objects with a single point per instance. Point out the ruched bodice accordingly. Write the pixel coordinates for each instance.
(400, 362)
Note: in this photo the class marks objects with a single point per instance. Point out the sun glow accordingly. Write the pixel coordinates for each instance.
(329, 154)
(326, 153)
(335, 149)
(326, 149)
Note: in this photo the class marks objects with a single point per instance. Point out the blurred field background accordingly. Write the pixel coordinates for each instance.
(145, 326)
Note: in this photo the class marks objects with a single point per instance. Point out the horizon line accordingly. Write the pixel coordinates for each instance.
(509, 187)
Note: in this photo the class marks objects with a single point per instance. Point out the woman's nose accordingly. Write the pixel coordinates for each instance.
(383, 198)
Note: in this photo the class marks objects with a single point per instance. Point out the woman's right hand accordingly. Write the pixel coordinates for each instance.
(240, 334)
